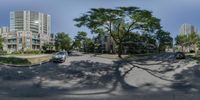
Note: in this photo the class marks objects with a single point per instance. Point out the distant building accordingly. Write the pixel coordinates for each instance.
(28, 30)
(52, 38)
(35, 22)
(187, 29)
(107, 44)
(4, 29)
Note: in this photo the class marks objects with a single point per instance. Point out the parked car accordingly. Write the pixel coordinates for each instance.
(75, 53)
(179, 55)
(60, 56)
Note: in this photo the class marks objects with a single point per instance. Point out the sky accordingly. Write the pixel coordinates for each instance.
(173, 13)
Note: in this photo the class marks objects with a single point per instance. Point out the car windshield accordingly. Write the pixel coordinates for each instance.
(60, 53)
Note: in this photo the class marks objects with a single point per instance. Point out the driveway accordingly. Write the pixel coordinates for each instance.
(95, 78)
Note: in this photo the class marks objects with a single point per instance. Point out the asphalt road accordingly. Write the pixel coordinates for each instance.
(88, 77)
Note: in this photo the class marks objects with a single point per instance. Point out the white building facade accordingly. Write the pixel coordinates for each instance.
(187, 29)
(28, 30)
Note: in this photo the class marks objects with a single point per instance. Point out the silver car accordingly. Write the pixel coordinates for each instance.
(60, 57)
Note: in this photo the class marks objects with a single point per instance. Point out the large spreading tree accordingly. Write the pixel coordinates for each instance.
(119, 22)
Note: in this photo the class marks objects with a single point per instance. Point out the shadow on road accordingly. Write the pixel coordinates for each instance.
(84, 78)
(53, 79)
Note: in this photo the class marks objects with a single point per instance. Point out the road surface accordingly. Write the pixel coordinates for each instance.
(89, 77)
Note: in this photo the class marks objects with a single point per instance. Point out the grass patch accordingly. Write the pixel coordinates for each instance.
(38, 60)
(13, 55)
(14, 60)
(194, 58)
(24, 61)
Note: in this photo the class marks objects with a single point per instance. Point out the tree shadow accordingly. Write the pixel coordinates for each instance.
(85, 78)
(52, 79)
(190, 80)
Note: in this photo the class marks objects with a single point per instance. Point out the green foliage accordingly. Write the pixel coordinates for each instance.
(89, 45)
(198, 52)
(119, 22)
(29, 51)
(3, 52)
(76, 44)
(47, 46)
(181, 40)
(62, 41)
(164, 40)
(193, 38)
(1, 42)
(189, 40)
(81, 36)
(140, 43)
(17, 52)
(14, 60)
(80, 40)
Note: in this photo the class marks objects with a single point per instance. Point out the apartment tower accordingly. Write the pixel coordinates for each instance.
(187, 29)
(28, 30)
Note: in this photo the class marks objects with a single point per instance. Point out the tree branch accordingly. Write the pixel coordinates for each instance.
(129, 28)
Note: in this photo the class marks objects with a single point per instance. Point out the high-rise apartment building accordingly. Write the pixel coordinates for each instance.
(4, 29)
(187, 29)
(28, 30)
(35, 22)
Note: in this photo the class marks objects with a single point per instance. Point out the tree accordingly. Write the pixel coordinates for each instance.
(193, 39)
(76, 44)
(80, 40)
(181, 40)
(164, 40)
(1, 42)
(190, 40)
(90, 45)
(62, 41)
(47, 46)
(119, 22)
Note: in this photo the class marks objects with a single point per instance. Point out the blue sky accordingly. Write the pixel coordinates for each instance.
(173, 13)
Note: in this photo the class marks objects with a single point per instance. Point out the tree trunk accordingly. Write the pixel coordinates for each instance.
(121, 78)
(182, 48)
(120, 50)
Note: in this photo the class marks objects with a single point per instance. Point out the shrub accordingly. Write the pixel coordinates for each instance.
(37, 52)
(3, 52)
(32, 52)
(49, 51)
(17, 52)
(192, 51)
(198, 52)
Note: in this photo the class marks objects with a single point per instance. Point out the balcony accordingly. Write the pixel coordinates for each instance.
(35, 43)
(11, 43)
(14, 37)
(35, 38)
